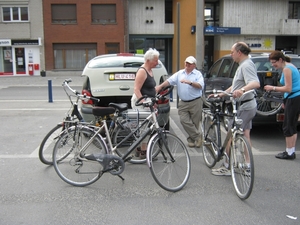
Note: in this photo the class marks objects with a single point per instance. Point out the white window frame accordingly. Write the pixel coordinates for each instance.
(11, 14)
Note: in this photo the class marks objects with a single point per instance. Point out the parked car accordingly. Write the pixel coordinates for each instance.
(220, 77)
(110, 78)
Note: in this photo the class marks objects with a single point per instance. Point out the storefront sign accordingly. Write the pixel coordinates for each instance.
(222, 30)
(25, 42)
(5, 42)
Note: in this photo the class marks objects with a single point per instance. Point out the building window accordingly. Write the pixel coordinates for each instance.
(15, 14)
(111, 48)
(294, 10)
(104, 13)
(63, 14)
(73, 56)
(211, 14)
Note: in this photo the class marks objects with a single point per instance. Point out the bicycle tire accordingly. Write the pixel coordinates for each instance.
(66, 161)
(266, 107)
(171, 176)
(210, 141)
(118, 135)
(48, 143)
(242, 170)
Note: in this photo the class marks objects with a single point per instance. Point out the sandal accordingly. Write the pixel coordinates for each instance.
(143, 154)
(138, 152)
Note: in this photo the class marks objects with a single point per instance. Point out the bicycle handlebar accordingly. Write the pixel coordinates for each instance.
(160, 95)
(82, 97)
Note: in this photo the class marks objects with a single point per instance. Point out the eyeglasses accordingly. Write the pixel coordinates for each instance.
(274, 61)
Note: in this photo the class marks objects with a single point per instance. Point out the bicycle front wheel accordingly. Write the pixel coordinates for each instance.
(48, 143)
(210, 140)
(69, 158)
(170, 169)
(242, 167)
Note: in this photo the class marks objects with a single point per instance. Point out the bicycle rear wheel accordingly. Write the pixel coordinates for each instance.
(70, 162)
(48, 143)
(119, 134)
(210, 140)
(265, 106)
(242, 167)
(171, 175)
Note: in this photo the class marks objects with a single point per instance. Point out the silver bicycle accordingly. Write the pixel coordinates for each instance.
(81, 156)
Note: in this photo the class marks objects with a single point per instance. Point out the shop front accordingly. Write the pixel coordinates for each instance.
(19, 57)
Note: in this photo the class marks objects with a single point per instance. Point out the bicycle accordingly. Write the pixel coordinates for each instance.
(81, 156)
(72, 117)
(240, 157)
(269, 103)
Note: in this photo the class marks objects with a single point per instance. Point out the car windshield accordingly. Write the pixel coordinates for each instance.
(263, 64)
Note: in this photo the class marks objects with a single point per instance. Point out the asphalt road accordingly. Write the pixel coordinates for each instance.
(32, 193)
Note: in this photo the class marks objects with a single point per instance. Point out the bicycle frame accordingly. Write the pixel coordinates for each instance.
(231, 133)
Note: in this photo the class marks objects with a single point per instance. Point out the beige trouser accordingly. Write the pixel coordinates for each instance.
(190, 114)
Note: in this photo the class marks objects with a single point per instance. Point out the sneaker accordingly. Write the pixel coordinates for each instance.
(198, 142)
(191, 144)
(222, 171)
(285, 155)
(222, 165)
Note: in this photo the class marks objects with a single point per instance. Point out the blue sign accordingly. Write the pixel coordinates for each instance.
(222, 30)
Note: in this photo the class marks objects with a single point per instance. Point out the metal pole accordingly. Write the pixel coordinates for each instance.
(178, 43)
(50, 91)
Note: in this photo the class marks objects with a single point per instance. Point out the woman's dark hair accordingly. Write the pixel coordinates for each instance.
(276, 55)
(242, 47)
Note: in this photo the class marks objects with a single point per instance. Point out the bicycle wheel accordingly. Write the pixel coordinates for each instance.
(48, 143)
(119, 134)
(171, 175)
(242, 167)
(210, 140)
(69, 161)
(267, 106)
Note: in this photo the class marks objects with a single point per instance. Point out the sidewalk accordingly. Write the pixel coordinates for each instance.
(56, 78)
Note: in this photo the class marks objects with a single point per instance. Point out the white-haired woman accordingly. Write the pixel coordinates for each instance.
(144, 84)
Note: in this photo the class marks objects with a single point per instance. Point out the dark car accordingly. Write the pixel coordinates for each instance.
(220, 77)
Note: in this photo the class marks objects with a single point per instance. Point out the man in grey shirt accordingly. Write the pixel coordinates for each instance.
(245, 79)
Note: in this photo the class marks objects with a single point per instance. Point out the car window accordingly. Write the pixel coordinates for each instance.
(296, 62)
(262, 64)
(215, 69)
(225, 68)
(233, 70)
(109, 62)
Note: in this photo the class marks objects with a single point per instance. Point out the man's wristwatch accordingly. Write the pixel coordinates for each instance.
(243, 89)
(191, 83)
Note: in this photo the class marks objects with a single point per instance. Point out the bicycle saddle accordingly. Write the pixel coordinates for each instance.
(120, 106)
(103, 111)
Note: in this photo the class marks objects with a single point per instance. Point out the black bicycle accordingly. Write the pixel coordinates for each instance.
(240, 156)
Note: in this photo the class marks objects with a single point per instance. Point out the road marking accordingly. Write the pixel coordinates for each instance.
(176, 130)
(36, 109)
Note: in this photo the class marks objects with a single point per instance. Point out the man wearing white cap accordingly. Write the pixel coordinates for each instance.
(189, 83)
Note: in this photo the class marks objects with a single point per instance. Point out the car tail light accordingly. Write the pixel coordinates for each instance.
(279, 117)
(87, 93)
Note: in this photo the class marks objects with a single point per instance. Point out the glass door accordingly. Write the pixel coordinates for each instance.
(20, 60)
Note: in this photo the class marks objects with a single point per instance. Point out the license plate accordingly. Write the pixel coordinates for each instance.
(124, 76)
